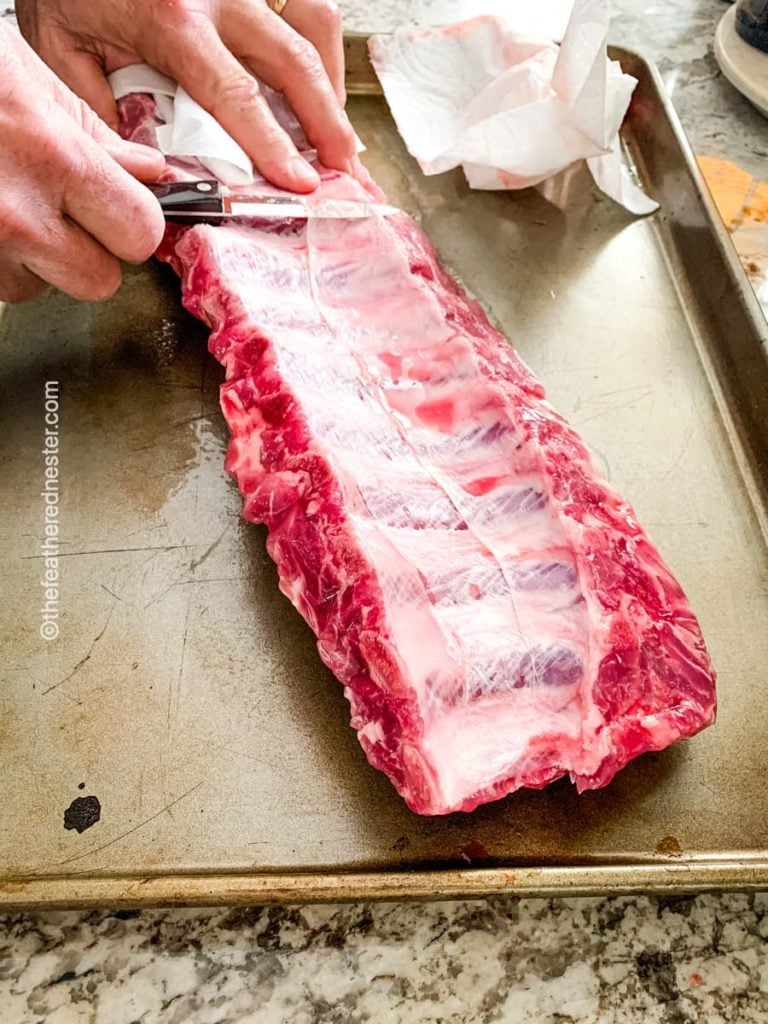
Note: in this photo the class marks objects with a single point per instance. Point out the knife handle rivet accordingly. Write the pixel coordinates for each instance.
(204, 186)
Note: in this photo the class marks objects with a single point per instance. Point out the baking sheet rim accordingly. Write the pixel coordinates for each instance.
(674, 876)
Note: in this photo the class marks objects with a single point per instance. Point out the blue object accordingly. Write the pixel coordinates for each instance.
(752, 22)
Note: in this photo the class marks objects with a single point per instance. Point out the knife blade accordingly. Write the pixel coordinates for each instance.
(206, 201)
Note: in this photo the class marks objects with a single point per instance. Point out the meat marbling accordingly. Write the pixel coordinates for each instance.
(494, 611)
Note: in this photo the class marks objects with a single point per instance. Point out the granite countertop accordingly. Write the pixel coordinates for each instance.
(567, 961)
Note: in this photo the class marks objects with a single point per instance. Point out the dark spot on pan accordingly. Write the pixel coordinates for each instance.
(83, 812)
(81, 785)
(473, 851)
(669, 846)
(401, 844)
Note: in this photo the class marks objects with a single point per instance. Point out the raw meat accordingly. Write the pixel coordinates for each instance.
(496, 614)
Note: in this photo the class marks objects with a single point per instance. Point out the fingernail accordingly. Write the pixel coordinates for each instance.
(301, 169)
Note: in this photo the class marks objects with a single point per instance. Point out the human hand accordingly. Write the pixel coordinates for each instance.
(213, 48)
(70, 206)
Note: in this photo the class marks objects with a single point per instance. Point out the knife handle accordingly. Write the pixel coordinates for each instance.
(188, 197)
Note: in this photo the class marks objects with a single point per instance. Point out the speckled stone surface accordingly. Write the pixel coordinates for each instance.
(622, 961)
(618, 961)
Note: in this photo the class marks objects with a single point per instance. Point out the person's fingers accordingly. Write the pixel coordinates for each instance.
(84, 75)
(17, 284)
(363, 175)
(68, 258)
(206, 68)
(320, 22)
(75, 76)
(142, 162)
(102, 194)
(112, 206)
(289, 63)
(28, 22)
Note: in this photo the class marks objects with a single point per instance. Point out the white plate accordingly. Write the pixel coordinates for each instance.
(743, 65)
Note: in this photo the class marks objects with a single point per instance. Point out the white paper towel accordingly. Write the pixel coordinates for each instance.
(189, 132)
(511, 110)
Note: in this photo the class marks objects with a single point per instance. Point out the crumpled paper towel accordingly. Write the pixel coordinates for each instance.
(189, 132)
(512, 111)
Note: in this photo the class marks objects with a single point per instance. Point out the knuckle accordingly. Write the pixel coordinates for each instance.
(175, 12)
(241, 90)
(272, 166)
(63, 161)
(305, 58)
(330, 16)
(274, 140)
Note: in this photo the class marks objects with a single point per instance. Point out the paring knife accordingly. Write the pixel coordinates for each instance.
(206, 201)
